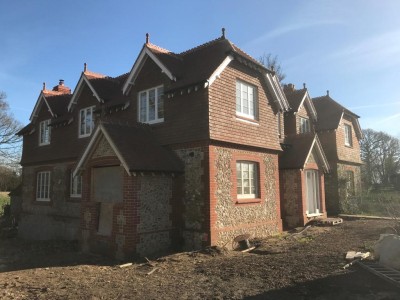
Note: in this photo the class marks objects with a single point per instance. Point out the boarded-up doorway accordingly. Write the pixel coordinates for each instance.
(107, 189)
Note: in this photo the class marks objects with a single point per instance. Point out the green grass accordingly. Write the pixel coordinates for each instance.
(4, 199)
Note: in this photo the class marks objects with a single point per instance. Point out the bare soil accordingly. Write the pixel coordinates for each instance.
(290, 266)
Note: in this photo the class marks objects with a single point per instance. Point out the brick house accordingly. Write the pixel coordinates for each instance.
(303, 163)
(183, 151)
(340, 133)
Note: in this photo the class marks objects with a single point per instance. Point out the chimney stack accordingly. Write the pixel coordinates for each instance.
(289, 88)
(61, 88)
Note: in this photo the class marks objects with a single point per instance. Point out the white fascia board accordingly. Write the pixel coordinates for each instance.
(311, 106)
(87, 151)
(120, 157)
(137, 66)
(320, 152)
(219, 70)
(35, 109)
(358, 128)
(78, 88)
(277, 92)
(92, 143)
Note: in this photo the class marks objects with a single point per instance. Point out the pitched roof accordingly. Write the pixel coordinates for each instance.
(58, 103)
(297, 149)
(202, 64)
(136, 147)
(330, 114)
(297, 98)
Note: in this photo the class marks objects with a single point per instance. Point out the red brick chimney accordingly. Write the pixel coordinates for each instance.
(289, 88)
(61, 88)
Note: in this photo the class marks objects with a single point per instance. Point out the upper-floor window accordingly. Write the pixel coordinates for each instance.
(44, 132)
(76, 186)
(43, 186)
(151, 105)
(279, 124)
(247, 179)
(347, 135)
(246, 100)
(304, 125)
(86, 121)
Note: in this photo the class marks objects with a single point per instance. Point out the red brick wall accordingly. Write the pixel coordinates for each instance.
(226, 126)
(347, 153)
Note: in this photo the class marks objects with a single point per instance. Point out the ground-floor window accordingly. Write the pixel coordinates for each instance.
(76, 186)
(313, 192)
(247, 179)
(43, 186)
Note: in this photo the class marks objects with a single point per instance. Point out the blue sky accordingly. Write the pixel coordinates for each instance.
(351, 48)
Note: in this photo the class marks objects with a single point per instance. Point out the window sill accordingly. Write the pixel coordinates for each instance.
(247, 120)
(44, 144)
(348, 146)
(314, 215)
(248, 200)
(84, 135)
(43, 202)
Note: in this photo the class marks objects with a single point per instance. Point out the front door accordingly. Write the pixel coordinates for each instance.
(312, 192)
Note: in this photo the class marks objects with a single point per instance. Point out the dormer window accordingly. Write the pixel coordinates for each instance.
(44, 133)
(347, 135)
(246, 100)
(151, 105)
(304, 125)
(86, 121)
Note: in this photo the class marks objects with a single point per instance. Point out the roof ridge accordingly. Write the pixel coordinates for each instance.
(94, 74)
(202, 45)
(151, 45)
(55, 93)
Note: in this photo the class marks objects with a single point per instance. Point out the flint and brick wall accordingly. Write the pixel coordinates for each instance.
(231, 216)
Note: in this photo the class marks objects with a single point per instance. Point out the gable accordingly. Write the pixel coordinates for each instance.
(39, 107)
(82, 83)
(103, 148)
(145, 54)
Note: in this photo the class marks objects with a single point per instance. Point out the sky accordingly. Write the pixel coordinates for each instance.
(349, 47)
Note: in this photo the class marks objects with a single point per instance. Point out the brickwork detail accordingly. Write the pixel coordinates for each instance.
(246, 217)
(291, 187)
(154, 211)
(103, 149)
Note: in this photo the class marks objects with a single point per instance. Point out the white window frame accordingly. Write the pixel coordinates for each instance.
(348, 141)
(75, 186)
(313, 191)
(43, 186)
(279, 124)
(87, 130)
(305, 126)
(253, 185)
(243, 88)
(158, 98)
(350, 184)
(44, 132)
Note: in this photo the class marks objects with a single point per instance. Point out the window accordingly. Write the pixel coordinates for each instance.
(312, 192)
(246, 100)
(350, 183)
(43, 186)
(76, 186)
(347, 135)
(86, 121)
(247, 179)
(304, 125)
(151, 105)
(279, 124)
(44, 132)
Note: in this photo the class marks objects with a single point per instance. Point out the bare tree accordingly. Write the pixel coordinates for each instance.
(271, 62)
(381, 155)
(10, 144)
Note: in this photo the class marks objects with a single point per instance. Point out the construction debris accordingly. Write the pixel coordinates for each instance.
(125, 265)
(387, 250)
(356, 257)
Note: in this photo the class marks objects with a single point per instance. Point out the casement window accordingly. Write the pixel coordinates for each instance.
(279, 124)
(304, 125)
(246, 100)
(75, 186)
(151, 105)
(247, 179)
(86, 121)
(44, 132)
(347, 135)
(350, 182)
(43, 186)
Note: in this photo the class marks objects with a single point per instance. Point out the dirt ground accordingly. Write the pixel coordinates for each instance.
(301, 266)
